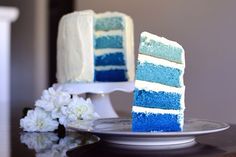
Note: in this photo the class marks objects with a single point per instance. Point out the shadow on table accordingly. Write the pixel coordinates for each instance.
(108, 150)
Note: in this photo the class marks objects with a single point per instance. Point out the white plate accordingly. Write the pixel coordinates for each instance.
(118, 132)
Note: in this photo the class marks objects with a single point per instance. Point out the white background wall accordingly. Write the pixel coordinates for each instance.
(206, 29)
(28, 54)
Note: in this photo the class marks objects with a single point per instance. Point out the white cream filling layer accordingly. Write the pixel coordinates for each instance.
(155, 110)
(150, 86)
(112, 67)
(110, 33)
(142, 58)
(99, 52)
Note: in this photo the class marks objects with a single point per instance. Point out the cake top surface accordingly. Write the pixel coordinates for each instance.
(161, 39)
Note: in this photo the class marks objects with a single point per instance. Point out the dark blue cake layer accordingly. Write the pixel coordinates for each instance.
(109, 41)
(110, 75)
(109, 23)
(152, 99)
(158, 73)
(142, 122)
(116, 58)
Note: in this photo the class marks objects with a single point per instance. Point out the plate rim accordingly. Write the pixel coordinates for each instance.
(224, 125)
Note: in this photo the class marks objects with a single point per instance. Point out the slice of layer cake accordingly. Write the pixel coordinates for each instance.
(95, 47)
(159, 87)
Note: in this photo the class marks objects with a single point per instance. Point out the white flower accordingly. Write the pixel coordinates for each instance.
(52, 101)
(39, 141)
(77, 109)
(90, 114)
(38, 120)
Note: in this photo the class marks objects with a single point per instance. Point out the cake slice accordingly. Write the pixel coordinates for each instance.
(159, 86)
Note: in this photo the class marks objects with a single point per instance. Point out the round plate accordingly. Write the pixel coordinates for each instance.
(118, 131)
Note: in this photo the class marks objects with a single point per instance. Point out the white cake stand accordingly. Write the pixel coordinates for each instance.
(98, 93)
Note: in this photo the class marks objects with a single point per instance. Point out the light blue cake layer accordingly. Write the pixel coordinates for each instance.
(159, 49)
(109, 41)
(113, 75)
(147, 122)
(160, 99)
(114, 58)
(158, 73)
(109, 23)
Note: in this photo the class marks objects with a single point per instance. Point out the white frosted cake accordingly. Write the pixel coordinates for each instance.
(95, 47)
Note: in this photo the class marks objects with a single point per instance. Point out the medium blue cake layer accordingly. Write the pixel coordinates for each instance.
(110, 75)
(142, 122)
(152, 99)
(109, 41)
(114, 58)
(160, 50)
(158, 73)
(109, 23)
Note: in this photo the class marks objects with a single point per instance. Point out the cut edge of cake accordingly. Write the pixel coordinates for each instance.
(128, 40)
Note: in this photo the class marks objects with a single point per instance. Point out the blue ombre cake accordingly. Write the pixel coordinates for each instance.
(159, 87)
(95, 47)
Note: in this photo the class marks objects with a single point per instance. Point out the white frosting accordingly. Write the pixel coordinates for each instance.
(151, 86)
(110, 67)
(149, 59)
(164, 41)
(75, 47)
(157, 87)
(155, 110)
(129, 44)
(146, 58)
(99, 52)
(110, 32)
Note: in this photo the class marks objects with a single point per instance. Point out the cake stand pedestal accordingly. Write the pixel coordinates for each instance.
(98, 92)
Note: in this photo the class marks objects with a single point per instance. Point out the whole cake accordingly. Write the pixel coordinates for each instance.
(95, 47)
(159, 87)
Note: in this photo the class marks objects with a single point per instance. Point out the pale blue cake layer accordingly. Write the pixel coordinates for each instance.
(148, 122)
(114, 58)
(158, 73)
(160, 99)
(109, 41)
(159, 49)
(109, 23)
